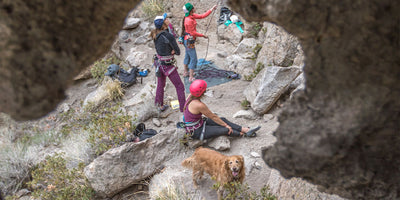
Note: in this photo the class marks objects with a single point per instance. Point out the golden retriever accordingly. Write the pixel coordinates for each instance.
(224, 168)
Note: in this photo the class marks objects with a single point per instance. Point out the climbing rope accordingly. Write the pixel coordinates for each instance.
(208, 39)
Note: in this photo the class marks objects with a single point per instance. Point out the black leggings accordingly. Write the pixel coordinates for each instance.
(213, 129)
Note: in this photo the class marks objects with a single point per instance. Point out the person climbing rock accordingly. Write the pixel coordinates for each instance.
(166, 48)
(213, 126)
(190, 34)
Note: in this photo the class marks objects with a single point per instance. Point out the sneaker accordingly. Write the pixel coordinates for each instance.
(163, 108)
(252, 132)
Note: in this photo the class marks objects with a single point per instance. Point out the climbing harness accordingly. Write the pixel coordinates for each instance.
(164, 64)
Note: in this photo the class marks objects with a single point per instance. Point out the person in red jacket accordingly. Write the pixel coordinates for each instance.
(190, 33)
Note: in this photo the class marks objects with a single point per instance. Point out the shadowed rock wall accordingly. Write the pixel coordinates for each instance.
(343, 131)
(45, 43)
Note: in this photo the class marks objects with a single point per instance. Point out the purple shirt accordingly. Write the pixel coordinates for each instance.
(192, 118)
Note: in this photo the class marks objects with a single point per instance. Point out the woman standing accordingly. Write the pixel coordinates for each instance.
(213, 126)
(190, 33)
(166, 48)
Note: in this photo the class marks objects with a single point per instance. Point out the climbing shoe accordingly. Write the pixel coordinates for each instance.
(163, 108)
(252, 132)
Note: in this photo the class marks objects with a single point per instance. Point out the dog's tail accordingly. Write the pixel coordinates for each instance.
(188, 162)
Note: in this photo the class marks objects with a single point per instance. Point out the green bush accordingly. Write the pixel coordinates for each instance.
(100, 67)
(108, 127)
(152, 8)
(53, 180)
(236, 190)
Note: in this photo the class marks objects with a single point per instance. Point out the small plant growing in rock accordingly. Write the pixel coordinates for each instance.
(250, 77)
(256, 28)
(236, 190)
(245, 104)
(152, 8)
(53, 180)
(256, 51)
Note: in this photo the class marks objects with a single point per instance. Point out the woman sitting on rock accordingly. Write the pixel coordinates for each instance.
(212, 126)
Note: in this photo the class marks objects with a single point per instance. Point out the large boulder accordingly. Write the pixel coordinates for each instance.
(342, 132)
(268, 86)
(279, 49)
(44, 45)
(121, 167)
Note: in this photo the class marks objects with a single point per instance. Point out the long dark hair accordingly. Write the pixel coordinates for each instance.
(183, 27)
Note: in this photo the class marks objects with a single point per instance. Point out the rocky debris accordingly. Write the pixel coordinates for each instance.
(121, 167)
(131, 23)
(136, 58)
(268, 117)
(220, 143)
(157, 122)
(247, 114)
(222, 54)
(124, 36)
(255, 155)
(268, 86)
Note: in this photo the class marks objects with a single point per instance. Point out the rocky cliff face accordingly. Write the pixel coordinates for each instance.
(342, 132)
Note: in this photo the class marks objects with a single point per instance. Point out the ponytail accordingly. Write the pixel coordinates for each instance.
(190, 99)
(183, 27)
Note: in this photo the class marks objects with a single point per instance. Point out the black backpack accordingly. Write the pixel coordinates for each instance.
(144, 133)
(126, 78)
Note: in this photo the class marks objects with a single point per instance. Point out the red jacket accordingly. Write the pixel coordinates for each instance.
(190, 24)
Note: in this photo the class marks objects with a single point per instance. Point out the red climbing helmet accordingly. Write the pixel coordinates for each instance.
(198, 87)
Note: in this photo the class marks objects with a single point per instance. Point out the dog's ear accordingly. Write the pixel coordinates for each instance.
(226, 164)
(241, 158)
